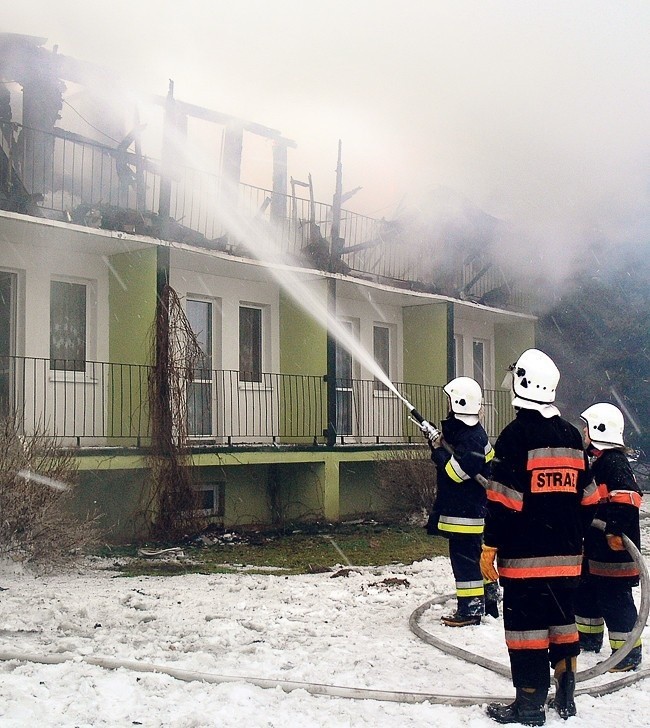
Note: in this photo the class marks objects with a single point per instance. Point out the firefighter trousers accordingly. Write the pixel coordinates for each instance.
(604, 601)
(539, 622)
(465, 555)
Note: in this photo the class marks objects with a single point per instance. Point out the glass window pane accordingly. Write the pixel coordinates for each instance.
(199, 408)
(250, 344)
(199, 392)
(344, 360)
(199, 314)
(68, 326)
(478, 362)
(343, 412)
(381, 352)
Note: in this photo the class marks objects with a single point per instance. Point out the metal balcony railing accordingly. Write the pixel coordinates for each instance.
(62, 175)
(93, 404)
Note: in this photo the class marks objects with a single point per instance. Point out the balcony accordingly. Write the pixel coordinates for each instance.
(65, 177)
(100, 404)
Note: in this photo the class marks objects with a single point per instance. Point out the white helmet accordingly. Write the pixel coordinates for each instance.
(465, 398)
(605, 425)
(534, 381)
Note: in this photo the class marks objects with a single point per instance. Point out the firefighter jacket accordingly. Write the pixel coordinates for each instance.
(540, 498)
(459, 508)
(619, 503)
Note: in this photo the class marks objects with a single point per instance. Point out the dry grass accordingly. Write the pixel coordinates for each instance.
(36, 483)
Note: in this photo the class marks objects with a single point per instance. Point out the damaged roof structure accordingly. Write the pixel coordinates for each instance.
(92, 166)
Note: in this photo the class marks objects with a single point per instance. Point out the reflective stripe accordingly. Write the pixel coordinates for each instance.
(603, 492)
(540, 567)
(534, 639)
(509, 497)
(563, 634)
(470, 589)
(621, 639)
(489, 452)
(625, 496)
(452, 524)
(590, 625)
(590, 495)
(454, 471)
(613, 569)
(555, 457)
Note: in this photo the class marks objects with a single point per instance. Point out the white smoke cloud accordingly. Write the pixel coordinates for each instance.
(536, 112)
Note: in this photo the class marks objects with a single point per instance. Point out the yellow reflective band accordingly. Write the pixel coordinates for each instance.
(477, 592)
(489, 456)
(457, 528)
(591, 628)
(452, 473)
(617, 644)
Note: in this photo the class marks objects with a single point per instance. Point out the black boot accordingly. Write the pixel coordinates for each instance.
(630, 662)
(492, 596)
(461, 620)
(591, 641)
(528, 708)
(565, 685)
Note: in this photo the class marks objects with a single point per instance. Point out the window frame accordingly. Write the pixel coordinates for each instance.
(218, 490)
(90, 302)
(249, 381)
(199, 372)
(379, 388)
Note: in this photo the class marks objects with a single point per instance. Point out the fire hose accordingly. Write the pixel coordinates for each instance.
(598, 669)
(381, 695)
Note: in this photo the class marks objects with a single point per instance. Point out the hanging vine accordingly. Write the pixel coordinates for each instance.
(173, 501)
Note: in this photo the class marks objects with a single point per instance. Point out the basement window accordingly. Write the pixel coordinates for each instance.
(212, 499)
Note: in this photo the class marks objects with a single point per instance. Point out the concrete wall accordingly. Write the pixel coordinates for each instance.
(132, 306)
(426, 339)
(303, 341)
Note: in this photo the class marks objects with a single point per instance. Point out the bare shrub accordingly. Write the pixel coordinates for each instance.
(173, 507)
(407, 479)
(37, 480)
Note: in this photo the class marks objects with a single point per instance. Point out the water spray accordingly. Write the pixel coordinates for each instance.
(30, 476)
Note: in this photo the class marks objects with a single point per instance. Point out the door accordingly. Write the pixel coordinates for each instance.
(7, 340)
(200, 391)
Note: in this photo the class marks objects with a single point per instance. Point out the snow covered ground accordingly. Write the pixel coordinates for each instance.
(346, 631)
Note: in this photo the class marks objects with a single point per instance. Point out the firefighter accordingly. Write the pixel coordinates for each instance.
(460, 454)
(540, 500)
(609, 572)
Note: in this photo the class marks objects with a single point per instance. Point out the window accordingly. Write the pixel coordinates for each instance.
(381, 353)
(212, 499)
(7, 339)
(250, 344)
(458, 356)
(478, 362)
(67, 326)
(344, 386)
(199, 390)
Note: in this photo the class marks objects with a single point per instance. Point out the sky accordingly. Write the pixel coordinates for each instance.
(537, 112)
(345, 632)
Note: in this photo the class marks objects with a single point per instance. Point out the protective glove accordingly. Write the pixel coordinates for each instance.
(488, 556)
(615, 543)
